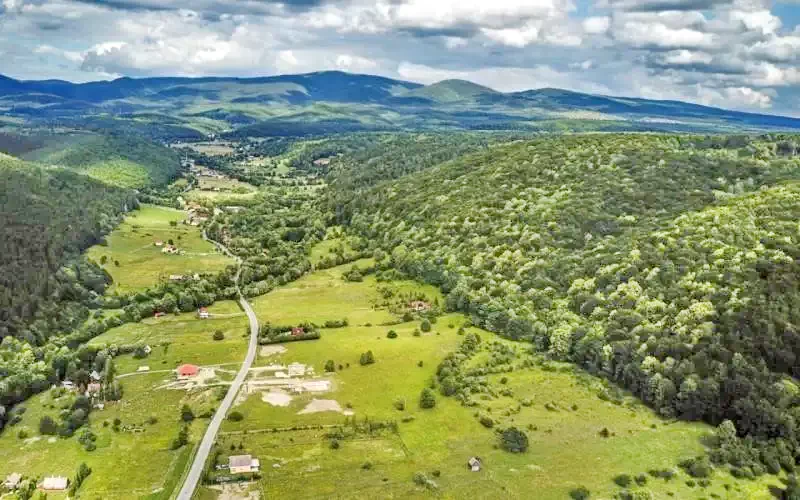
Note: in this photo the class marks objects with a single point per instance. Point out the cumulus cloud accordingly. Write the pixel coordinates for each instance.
(734, 53)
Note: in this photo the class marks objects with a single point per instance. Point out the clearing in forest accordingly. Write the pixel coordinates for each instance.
(135, 254)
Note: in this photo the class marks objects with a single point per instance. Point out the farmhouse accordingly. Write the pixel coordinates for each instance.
(202, 313)
(474, 464)
(12, 481)
(55, 483)
(419, 306)
(242, 464)
(187, 371)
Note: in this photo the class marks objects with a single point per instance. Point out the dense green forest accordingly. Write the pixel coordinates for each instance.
(665, 263)
(119, 160)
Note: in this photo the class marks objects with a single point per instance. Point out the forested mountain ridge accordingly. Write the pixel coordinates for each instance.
(665, 263)
(119, 160)
(46, 217)
(331, 102)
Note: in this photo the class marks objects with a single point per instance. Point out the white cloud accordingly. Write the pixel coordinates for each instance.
(596, 25)
(661, 36)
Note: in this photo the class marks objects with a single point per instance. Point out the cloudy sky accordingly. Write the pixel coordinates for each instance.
(742, 54)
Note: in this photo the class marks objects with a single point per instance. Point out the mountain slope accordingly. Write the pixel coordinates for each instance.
(118, 160)
(278, 105)
(668, 264)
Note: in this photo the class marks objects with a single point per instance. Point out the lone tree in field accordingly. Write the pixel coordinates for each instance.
(514, 440)
(330, 366)
(187, 415)
(367, 358)
(219, 335)
(425, 326)
(427, 399)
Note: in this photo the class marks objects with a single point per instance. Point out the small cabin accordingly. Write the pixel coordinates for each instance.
(203, 313)
(474, 464)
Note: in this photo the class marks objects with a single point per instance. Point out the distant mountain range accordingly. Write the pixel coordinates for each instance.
(333, 101)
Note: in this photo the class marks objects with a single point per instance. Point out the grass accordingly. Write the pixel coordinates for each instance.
(127, 464)
(141, 263)
(333, 244)
(566, 448)
(215, 189)
(189, 338)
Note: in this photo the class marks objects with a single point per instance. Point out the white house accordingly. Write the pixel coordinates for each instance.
(55, 483)
(242, 464)
(12, 481)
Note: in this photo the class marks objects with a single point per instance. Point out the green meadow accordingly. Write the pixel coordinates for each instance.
(136, 263)
(228, 190)
(563, 415)
(134, 461)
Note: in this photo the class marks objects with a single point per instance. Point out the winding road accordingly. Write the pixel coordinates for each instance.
(198, 465)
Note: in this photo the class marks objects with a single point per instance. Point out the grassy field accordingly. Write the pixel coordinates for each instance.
(216, 189)
(334, 244)
(141, 263)
(189, 339)
(135, 461)
(566, 447)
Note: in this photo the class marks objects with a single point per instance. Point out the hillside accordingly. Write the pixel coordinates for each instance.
(46, 217)
(667, 264)
(123, 161)
(334, 102)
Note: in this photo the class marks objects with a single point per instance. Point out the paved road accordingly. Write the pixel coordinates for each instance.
(196, 472)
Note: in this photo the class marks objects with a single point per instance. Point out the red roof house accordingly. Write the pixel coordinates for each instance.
(188, 370)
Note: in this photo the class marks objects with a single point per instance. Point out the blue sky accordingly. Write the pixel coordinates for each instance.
(740, 54)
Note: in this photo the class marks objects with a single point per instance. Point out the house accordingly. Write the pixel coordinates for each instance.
(297, 331)
(322, 162)
(203, 313)
(187, 371)
(148, 349)
(242, 464)
(176, 277)
(159, 243)
(94, 388)
(297, 370)
(419, 306)
(55, 483)
(12, 481)
(95, 375)
(159, 315)
(474, 464)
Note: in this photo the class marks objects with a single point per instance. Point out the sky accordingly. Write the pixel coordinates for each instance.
(737, 54)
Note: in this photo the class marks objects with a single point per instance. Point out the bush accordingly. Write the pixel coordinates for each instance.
(330, 366)
(514, 440)
(697, 467)
(187, 415)
(219, 335)
(235, 416)
(641, 479)
(579, 493)
(487, 421)
(48, 426)
(420, 478)
(22, 434)
(623, 480)
(367, 358)
(391, 334)
(427, 399)
(425, 326)
(335, 444)
(399, 404)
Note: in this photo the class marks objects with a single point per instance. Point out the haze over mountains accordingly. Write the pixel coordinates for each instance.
(333, 101)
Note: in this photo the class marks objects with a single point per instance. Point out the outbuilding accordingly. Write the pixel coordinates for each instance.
(242, 464)
(12, 481)
(474, 464)
(186, 371)
(55, 483)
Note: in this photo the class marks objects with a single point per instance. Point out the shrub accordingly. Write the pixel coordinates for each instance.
(235, 416)
(623, 480)
(641, 479)
(330, 366)
(366, 466)
(47, 426)
(487, 421)
(427, 399)
(697, 467)
(22, 434)
(579, 493)
(335, 444)
(514, 440)
(219, 335)
(187, 415)
(367, 358)
(391, 334)
(400, 404)
(425, 326)
(420, 478)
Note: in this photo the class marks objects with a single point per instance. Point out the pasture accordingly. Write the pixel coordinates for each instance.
(215, 189)
(134, 261)
(135, 460)
(563, 414)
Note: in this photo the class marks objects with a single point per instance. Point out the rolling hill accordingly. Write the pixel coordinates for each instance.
(331, 101)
